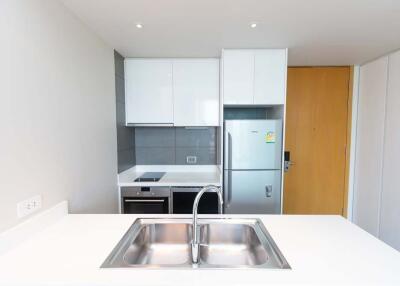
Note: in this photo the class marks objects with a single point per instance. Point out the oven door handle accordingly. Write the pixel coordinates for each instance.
(144, 201)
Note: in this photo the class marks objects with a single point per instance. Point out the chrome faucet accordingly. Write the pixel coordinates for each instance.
(195, 231)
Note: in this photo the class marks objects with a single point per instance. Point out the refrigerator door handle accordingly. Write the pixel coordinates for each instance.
(227, 188)
(228, 179)
(229, 150)
(268, 191)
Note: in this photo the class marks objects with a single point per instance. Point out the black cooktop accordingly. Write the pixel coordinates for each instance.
(150, 177)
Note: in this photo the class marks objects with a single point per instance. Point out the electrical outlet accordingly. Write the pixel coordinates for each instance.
(191, 159)
(29, 206)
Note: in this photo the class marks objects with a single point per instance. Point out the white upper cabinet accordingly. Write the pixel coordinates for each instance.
(148, 91)
(254, 77)
(238, 76)
(180, 92)
(269, 76)
(196, 92)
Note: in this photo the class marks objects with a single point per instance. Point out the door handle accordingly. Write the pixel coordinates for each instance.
(287, 162)
(268, 191)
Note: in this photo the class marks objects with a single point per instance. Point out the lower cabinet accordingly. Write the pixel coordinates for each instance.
(183, 199)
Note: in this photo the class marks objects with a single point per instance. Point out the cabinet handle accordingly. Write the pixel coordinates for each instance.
(144, 201)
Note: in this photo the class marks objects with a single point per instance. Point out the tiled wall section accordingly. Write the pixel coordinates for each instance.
(125, 135)
(245, 113)
(171, 146)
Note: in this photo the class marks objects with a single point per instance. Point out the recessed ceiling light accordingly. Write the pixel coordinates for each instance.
(139, 25)
(253, 25)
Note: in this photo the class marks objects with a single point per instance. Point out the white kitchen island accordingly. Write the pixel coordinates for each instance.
(321, 250)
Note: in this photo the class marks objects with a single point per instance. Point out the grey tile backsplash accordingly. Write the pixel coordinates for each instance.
(155, 155)
(171, 146)
(154, 137)
(189, 137)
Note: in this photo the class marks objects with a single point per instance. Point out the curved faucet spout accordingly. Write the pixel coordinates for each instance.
(195, 230)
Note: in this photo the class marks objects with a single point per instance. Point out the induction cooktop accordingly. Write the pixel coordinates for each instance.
(150, 177)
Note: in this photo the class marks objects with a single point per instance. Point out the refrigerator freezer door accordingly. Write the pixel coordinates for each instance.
(252, 192)
(253, 144)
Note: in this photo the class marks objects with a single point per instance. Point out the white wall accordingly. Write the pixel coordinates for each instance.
(57, 111)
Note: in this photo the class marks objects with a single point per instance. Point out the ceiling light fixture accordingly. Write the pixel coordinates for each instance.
(139, 25)
(253, 25)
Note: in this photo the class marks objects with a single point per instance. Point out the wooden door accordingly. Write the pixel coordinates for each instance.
(316, 137)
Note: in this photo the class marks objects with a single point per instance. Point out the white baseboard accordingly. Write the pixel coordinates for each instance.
(17, 234)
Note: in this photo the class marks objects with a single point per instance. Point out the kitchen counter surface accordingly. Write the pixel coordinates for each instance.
(179, 176)
(322, 250)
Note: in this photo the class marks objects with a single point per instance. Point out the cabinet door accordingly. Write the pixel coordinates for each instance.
(238, 76)
(148, 91)
(196, 92)
(369, 145)
(390, 200)
(270, 76)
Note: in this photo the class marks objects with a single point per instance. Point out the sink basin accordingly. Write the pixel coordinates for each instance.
(224, 243)
(160, 244)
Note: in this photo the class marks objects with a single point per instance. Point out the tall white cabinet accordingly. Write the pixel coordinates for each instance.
(377, 180)
(389, 225)
(369, 144)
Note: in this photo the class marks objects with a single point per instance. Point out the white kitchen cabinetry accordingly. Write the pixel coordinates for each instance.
(376, 189)
(390, 202)
(180, 92)
(238, 77)
(148, 91)
(196, 92)
(369, 144)
(254, 77)
(269, 77)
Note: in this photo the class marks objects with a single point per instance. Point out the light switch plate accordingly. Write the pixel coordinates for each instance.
(29, 206)
(191, 159)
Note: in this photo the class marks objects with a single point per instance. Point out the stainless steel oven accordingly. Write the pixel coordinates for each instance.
(145, 200)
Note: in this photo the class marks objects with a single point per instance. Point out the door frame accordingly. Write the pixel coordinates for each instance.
(352, 137)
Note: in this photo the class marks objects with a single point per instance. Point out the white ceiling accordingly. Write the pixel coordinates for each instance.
(317, 32)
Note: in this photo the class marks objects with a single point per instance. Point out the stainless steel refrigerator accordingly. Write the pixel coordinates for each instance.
(252, 166)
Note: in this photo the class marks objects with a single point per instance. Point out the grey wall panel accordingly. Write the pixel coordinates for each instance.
(204, 155)
(154, 137)
(155, 155)
(125, 135)
(119, 64)
(171, 146)
(203, 137)
(245, 113)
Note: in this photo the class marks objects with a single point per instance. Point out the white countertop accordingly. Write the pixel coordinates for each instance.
(322, 250)
(178, 175)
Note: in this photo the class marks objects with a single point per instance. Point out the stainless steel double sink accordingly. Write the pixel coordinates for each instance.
(224, 243)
